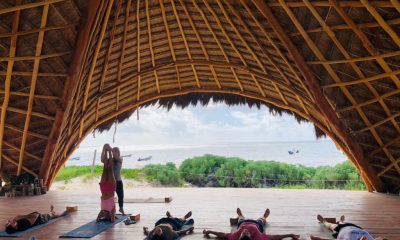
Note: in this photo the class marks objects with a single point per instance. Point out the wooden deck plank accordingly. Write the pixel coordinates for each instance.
(291, 210)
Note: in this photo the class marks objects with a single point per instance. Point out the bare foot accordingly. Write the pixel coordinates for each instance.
(188, 215)
(320, 218)
(121, 210)
(168, 214)
(239, 212)
(266, 213)
(51, 208)
(342, 218)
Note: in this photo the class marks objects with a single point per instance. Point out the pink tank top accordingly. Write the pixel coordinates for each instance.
(252, 228)
(108, 204)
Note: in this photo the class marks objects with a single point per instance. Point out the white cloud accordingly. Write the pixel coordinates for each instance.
(217, 123)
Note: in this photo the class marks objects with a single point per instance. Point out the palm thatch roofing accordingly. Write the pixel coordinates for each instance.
(68, 67)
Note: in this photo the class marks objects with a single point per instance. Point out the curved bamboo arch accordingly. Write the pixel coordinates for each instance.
(334, 63)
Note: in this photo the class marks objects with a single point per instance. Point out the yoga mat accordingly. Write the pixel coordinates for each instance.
(148, 200)
(93, 228)
(21, 233)
(185, 227)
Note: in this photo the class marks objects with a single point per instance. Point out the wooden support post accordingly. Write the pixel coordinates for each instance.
(93, 162)
(69, 89)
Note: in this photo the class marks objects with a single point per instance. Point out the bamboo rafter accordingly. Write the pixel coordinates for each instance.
(39, 46)
(7, 82)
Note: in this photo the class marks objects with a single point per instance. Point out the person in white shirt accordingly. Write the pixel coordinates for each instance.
(344, 231)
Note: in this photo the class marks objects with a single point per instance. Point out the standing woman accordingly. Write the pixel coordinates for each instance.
(117, 173)
(107, 186)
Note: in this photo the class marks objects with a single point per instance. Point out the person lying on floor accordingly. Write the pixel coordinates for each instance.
(23, 222)
(170, 228)
(344, 231)
(250, 229)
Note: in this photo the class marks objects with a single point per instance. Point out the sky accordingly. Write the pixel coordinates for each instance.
(197, 125)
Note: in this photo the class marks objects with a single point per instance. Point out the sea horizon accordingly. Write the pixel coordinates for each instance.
(309, 153)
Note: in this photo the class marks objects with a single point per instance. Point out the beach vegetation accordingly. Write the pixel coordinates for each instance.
(218, 171)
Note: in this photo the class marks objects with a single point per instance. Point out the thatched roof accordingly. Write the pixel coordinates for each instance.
(68, 67)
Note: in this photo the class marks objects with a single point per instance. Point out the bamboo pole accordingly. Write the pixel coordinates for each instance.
(33, 134)
(199, 39)
(153, 63)
(25, 152)
(7, 82)
(325, 109)
(38, 52)
(29, 5)
(16, 164)
(23, 94)
(185, 43)
(69, 90)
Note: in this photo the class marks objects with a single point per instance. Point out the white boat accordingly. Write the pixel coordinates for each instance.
(145, 159)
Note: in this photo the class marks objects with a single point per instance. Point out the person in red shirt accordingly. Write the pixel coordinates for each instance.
(250, 229)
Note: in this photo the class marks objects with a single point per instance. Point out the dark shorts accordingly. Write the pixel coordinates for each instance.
(43, 218)
(340, 226)
(259, 223)
(175, 223)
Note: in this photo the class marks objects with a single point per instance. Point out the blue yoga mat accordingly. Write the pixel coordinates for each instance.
(21, 233)
(93, 228)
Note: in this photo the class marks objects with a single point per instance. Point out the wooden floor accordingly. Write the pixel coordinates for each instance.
(292, 211)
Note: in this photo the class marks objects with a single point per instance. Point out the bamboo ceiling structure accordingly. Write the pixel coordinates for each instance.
(68, 67)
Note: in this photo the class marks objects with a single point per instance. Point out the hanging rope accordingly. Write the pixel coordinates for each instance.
(115, 130)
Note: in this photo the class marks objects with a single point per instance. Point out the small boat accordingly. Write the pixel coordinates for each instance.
(290, 152)
(75, 158)
(297, 151)
(145, 159)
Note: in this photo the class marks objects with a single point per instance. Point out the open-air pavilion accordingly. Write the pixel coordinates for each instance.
(69, 67)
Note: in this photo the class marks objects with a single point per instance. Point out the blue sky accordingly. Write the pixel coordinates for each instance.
(216, 123)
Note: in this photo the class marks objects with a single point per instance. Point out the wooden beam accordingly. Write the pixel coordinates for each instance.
(26, 32)
(25, 152)
(387, 168)
(153, 63)
(33, 58)
(138, 46)
(395, 140)
(29, 5)
(324, 106)
(381, 97)
(16, 164)
(23, 94)
(388, 29)
(94, 57)
(38, 52)
(378, 123)
(33, 134)
(29, 74)
(7, 82)
(396, 4)
(199, 39)
(354, 4)
(78, 59)
(36, 114)
(346, 26)
(357, 59)
(182, 31)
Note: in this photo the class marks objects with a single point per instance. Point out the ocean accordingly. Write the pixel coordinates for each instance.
(308, 153)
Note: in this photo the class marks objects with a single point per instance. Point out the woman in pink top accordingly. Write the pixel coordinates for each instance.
(249, 229)
(107, 186)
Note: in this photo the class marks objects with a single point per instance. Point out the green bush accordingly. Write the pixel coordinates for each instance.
(218, 171)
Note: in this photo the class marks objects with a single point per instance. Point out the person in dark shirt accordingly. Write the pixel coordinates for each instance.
(170, 228)
(23, 222)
